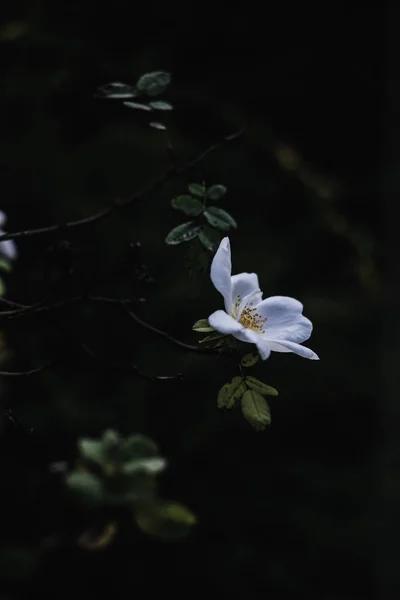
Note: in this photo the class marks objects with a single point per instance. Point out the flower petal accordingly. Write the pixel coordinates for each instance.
(286, 346)
(224, 323)
(245, 284)
(247, 335)
(8, 249)
(221, 269)
(3, 218)
(284, 319)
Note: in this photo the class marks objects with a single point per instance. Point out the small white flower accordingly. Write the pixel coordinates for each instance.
(8, 249)
(275, 323)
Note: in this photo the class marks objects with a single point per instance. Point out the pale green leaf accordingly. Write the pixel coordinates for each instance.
(210, 238)
(260, 386)
(203, 326)
(151, 466)
(219, 218)
(197, 189)
(153, 83)
(86, 485)
(92, 450)
(157, 125)
(182, 233)
(116, 90)
(249, 360)
(167, 520)
(161, 105)
(230, 392)
(256, 410)
(187, 204)
(212, 337)
(216, 192)
(137, 105)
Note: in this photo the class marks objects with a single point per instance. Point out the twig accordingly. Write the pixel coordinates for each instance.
(39, 369)
(118, 205)
(129, 367)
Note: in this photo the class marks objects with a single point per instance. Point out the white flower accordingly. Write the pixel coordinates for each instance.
(8, 249)
(275, 323)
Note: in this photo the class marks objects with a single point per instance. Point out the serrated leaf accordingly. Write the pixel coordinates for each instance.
(150, 466)
(210, 238)
(197, 189)
(256, 410)
(92, 450)
(187, 204)
(219, 218)
(167, 520)
(260, 386)
(182, 233)
(86, 485)
(203, 326)
(116, 90)
(249, 360)
(161, 105)
(216, 192)
(231, 392)
(137, 105)
(157, 125)
(153, 83)
(212, 337)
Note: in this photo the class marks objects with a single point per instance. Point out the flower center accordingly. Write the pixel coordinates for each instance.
(248, 316)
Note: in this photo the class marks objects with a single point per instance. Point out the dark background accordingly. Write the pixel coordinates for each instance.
(306, 508)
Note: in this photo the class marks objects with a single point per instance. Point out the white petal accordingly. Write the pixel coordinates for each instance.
(245, 284)
(285, 346)
(8, 248)
(284, 319)
(247, 335)
(221, 268)
(224, 323)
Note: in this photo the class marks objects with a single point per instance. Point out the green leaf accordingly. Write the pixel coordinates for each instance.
(157, 125)
(197, 189)
(161, 105)
(212, 337)
(153, 83)
(219, 218)
(216, 192)
(138, 446)
(92, 450)
(249, 360)
(182, 233)
(230, 392)
(137, 105)
(2, 287)
(260, 386)
(5, 265)
(86, 485)
(256, 410)
(116, 90)
(187, 204)
(151, 466)
(203, 326)
(210, 238)
(166, 520)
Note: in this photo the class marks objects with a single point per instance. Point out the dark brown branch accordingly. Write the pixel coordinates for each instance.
(121, 204)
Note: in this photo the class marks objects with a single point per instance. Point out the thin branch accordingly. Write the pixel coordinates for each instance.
(39, 369)
(118, 205)
(128, 367)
